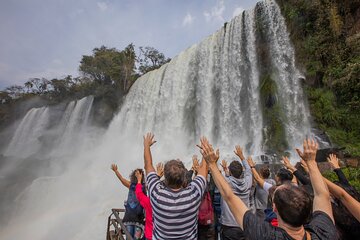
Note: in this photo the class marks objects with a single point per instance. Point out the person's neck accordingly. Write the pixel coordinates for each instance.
(295, 232)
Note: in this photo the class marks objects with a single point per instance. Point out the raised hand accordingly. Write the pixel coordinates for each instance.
(206, 149)
(114, 167)
(223, 164)
(160, 169)
(195, 165)
(250, 162)
(149, 140)
(238, 151)
(303, 164)
(334, 161)
(287, 164)
(310, 149)
(138, 175)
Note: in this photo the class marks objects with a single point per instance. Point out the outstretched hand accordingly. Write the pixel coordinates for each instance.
(334, 161)
(149, 140)
(250, 162)
(138, 175)
(206, 149)
(195, 165)
(310, 149)
(114, 167)
(223, 164)
(238, 151)
(160, 169)
(303, 164)
(287, 164)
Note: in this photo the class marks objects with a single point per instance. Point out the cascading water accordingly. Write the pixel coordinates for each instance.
(211, 89)
(72, 126)
(25, 141)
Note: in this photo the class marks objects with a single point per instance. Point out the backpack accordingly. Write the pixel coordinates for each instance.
(132, 204)
(206, 211)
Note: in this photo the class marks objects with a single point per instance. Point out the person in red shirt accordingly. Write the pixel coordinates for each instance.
(145, 203)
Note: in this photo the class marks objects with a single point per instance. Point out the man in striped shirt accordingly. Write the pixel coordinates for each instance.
(175, 206)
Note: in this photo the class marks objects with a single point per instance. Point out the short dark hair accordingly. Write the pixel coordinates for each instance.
(294, 204)
(174, 173)
(265, 172)
(284, 175)
(235, 169)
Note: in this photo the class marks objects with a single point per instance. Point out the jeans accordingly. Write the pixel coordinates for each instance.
(135, 231)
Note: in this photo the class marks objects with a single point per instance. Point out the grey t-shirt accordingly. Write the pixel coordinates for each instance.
(241, 188)
(261, 196)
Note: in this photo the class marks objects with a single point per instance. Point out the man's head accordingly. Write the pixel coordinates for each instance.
(235, 169)
(283, 176)
(293, 204)
(264, 172)
(175, 174)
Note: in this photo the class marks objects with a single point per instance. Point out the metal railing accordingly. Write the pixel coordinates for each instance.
(115, 227)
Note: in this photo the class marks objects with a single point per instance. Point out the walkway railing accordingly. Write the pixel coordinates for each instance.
(115, 227)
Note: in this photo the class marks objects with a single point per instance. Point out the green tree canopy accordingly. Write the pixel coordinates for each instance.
(109, 66)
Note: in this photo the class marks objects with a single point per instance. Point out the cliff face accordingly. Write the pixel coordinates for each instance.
(326, 37)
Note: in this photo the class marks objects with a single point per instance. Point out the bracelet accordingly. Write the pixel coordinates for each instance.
(252, 167)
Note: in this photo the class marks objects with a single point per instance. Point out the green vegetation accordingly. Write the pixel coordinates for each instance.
(274, 123)
(107, 74)
(325, 34)
(352, 174)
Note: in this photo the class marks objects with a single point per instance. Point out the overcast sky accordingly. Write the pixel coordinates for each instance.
(47, 38)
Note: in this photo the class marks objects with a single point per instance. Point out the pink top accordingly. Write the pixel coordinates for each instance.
(145, 203)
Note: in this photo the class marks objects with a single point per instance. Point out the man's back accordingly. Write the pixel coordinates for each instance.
(175, 212)
(320, 228)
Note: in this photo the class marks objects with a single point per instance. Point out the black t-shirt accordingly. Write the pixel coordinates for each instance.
(320, 227)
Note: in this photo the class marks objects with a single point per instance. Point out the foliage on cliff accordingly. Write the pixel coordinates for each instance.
(326, 37)
(107, 74)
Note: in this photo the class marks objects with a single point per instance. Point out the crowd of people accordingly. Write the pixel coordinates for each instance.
(239, 200)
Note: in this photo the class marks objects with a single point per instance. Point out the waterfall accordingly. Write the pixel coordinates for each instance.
(25, 141)
(73, 126)
(212, 89)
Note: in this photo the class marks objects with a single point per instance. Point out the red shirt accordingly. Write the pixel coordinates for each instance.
(145, 203)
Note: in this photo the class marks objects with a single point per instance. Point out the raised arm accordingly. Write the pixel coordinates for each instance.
(237, 207)
(334, 162)
(148, 163)
(256, 175)
(321, 192)
(349, 202)
(140, 195)
(290, 167)
(123, 180)
(195, 165)
(225, 168)
(160, 169)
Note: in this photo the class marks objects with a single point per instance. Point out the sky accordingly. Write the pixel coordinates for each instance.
(47, 38)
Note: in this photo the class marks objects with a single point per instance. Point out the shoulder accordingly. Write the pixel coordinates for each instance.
(152, 180)
(199, 180)
(322, 226)
(258, 228)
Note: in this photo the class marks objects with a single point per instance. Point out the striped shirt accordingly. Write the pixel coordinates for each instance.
(175, 213)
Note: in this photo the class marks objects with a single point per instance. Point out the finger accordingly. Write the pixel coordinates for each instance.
(299, 153)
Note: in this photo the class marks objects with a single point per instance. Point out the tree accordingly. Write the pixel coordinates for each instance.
(15, 91)
(150, 59)
(37, 85)
(109, 66)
